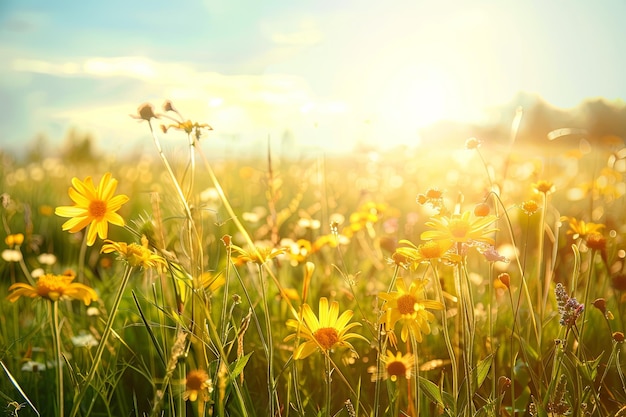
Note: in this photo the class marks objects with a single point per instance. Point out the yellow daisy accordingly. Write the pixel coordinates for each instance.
(408, 307)
(53, 288)
(426, 252)
(581, 228)
(93, 207)
(258, 255)
(325, 333)
(544, 187)
(461, 228)
(136, 255)
(395, 366)
(198, 384)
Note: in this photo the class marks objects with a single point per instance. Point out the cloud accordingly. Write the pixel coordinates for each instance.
(98, 94)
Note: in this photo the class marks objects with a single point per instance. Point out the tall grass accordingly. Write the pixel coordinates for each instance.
(529, 326)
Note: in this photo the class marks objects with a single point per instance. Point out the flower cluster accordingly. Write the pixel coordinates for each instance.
(569, 308)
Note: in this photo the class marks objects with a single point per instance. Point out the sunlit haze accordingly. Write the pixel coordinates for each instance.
(329, 74)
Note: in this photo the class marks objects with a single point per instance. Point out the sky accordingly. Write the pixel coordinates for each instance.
(328, 74)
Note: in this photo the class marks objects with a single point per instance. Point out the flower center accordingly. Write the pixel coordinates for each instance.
(406, 304)
(396, 369)
(196, 380)
(430, 250)
(326, 337)
(97, 209)
(49, 286)
(459, 228)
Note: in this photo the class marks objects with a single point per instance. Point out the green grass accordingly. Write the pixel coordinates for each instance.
(346, 214)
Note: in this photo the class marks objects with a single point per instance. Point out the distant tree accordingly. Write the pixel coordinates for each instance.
(78, 147)
(38, 148)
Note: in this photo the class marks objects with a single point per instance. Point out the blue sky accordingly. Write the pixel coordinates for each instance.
(330, 72)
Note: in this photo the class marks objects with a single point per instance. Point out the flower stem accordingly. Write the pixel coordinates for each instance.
(269, 347)
(56, 336)
(586, 298)
(328, 369)
(446, 336)
(103, 341)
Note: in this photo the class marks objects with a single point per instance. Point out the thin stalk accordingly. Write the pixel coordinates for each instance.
(56, 336)
(170, 172)
(269, 346)
(328, 370)
(586, 299)
(468, 334)
(192, 162)
(540, 269)
(526, 291)
(81, 258)
(103, 341)
(490, 326)
(446, 335)
(416, 389)
(382, 344)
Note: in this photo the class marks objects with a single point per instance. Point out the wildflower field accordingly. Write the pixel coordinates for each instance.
(483, 278)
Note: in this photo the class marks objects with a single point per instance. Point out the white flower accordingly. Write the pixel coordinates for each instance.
(32, 366)
(84, 339)
(11, 255)
(47, 259)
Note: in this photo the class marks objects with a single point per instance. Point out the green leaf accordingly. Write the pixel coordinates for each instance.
(442, 398)
(432, 390)
(236, 367)
(482, 370)
(589, 369)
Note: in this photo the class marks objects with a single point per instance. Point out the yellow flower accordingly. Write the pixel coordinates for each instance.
(461, 228)
(211, 282)
(325, 333)
(54, 287)
(472, 143)
(596, 241)
(14, 240)
(198, 384)
(433, 197)
(409, 308)
(397, 365)
(425, 252)
(529, 207)
(188, 127)
(93, 207)
(258, 255)
(136, 255)
(544, 187)
(581, 228)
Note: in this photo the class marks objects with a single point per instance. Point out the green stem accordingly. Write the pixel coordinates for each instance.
(382, 345)
(585, 299)
(56, 336)
(328, 370)
(81, 258)
(446, 336)
(269, 346)
(103, 341)
(416, 388)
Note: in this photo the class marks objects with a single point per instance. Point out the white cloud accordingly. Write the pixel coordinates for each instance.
(304, 37)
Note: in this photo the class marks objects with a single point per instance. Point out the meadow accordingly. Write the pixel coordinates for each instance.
(479, 278)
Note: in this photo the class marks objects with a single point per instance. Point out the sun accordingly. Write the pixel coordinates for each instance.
(412, 98)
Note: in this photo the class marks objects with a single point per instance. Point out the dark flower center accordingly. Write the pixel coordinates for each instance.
(326, 337)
